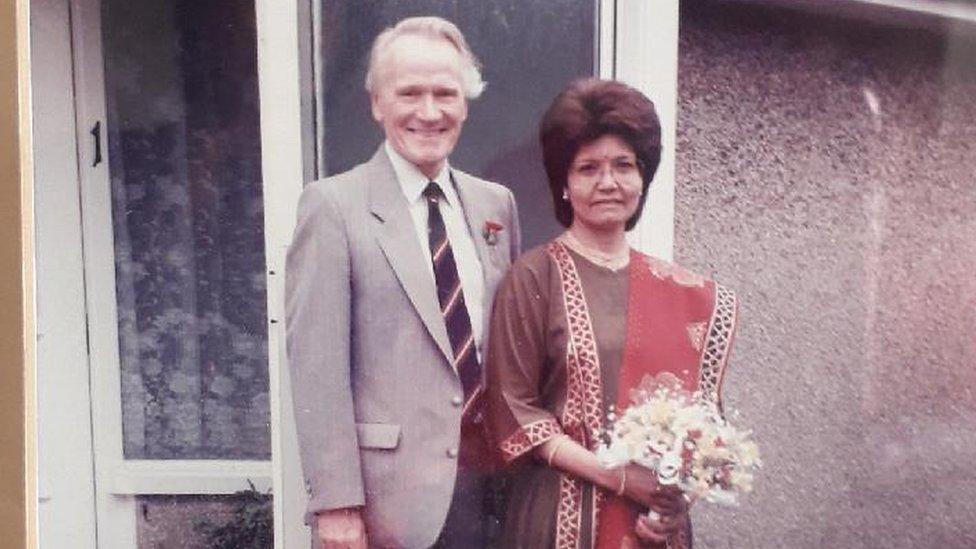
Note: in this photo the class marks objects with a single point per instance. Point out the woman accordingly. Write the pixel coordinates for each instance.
(581, 321)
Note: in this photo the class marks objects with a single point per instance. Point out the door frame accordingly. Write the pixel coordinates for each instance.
(646, 57)
(66, 485)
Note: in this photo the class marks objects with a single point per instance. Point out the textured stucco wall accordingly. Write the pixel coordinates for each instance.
(826, 172)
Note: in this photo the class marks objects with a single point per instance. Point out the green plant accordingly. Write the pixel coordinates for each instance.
(250, 527)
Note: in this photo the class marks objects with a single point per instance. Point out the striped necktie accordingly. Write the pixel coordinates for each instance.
(452, 298)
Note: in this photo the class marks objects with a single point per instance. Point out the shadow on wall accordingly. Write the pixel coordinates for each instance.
(825, 170)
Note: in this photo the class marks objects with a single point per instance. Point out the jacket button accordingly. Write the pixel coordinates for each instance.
(457, 401)
(452, 453)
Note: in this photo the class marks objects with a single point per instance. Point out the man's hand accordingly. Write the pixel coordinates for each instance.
(341, 529)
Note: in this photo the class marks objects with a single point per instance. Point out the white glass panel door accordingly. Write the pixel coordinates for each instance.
(172, 201)
(183, 151)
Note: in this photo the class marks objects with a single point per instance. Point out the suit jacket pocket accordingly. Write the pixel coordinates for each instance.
(378, 436)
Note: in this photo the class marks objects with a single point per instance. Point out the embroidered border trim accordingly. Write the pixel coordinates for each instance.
(584, 363)
(718, 344)
(569, 515)
(583, 412)
(528, 437)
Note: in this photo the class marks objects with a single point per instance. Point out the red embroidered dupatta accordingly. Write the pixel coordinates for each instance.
(677, 322)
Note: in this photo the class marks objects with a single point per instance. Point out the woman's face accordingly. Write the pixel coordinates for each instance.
(604, 184)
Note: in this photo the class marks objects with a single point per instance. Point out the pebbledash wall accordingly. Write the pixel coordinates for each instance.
(825, 170)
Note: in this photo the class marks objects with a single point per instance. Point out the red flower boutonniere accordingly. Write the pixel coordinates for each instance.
(490, 231)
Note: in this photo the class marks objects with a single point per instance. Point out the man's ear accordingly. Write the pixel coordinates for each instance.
(374, 104)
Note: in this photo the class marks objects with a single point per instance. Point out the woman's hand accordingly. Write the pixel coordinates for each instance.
(641, 486)
(668, 506)
(657, 528)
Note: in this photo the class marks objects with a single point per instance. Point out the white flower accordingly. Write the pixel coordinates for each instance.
(741, 481)
(660, 442)
(613, 455)
(721, 497)
(683, 439)
(749, 454)
(648, 460)
(668, 469)
(659, 412)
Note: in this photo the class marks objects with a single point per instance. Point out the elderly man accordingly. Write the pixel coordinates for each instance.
(390, 278)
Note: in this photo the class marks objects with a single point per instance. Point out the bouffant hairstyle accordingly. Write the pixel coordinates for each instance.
(585, 111)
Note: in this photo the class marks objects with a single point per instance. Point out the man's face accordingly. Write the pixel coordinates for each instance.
(419, 100)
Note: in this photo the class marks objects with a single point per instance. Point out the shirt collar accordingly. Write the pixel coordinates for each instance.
(413, 182)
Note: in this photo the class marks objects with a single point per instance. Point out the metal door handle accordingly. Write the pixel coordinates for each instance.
(97, 134)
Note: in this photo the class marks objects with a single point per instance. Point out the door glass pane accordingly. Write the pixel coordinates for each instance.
(242, 520)
(530, 51)
(183, 140)
(825, 171)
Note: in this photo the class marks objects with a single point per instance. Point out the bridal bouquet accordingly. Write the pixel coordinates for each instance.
(684, 439)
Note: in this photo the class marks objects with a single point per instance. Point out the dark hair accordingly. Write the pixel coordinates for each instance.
(585, 111)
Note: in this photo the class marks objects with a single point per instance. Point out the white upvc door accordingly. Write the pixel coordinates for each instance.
(119, 480)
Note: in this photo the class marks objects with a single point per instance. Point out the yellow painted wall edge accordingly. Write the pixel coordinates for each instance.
(17, 439)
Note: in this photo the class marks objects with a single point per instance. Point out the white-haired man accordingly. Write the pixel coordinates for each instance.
(390, 278)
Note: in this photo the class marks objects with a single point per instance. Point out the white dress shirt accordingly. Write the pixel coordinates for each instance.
(412, 183)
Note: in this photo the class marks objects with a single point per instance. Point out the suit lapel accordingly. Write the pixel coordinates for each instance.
(397, 238)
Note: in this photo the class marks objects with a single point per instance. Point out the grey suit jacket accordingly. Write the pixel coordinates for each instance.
(373, 386)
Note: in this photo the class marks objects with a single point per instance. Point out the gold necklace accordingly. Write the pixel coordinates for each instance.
(613, 261)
